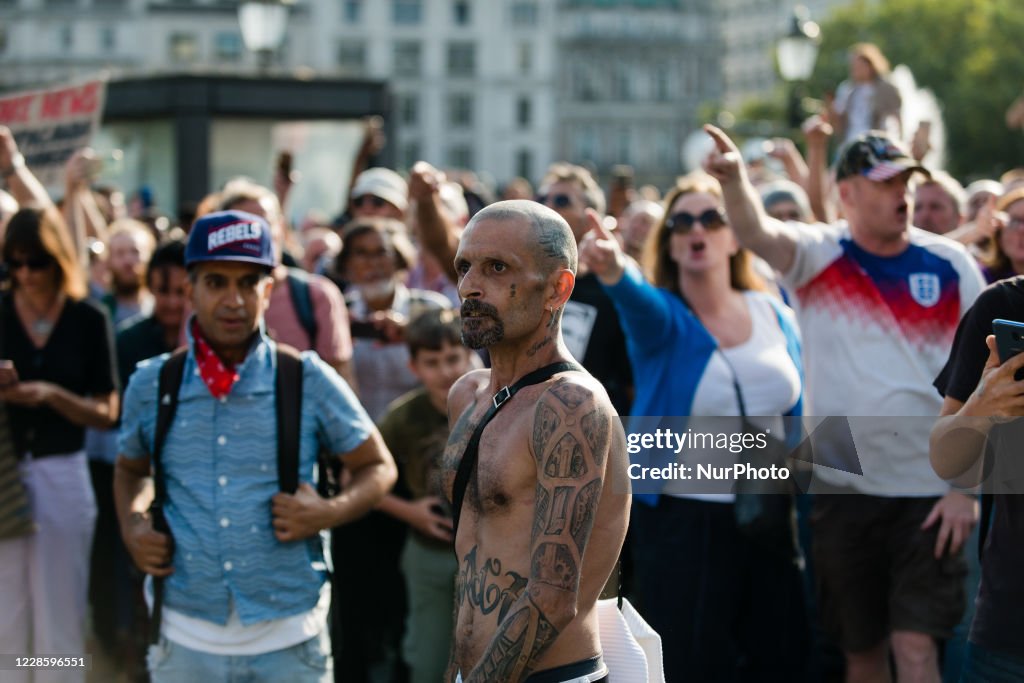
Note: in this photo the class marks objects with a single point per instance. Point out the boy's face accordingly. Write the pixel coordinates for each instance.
(438, 370)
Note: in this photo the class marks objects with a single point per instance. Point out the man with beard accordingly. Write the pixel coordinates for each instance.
(130, 246)
(538, 485)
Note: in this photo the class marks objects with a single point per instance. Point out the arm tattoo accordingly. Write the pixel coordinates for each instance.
(566, 459)
(541, 512)
(554, 565)
(514, 650)
(559, 511)
(545, 422)
(596, 434)
(583, 513)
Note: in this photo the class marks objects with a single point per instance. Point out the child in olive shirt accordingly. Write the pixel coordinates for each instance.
(415, 429)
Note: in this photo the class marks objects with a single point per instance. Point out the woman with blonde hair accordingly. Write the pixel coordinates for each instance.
(60, 347)
(1003, 257)
(705, 341)
(867, 100)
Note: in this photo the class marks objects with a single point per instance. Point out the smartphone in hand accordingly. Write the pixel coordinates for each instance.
(1009, 340)
(8, 373)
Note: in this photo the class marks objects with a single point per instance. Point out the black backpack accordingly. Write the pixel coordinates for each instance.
(288, 407)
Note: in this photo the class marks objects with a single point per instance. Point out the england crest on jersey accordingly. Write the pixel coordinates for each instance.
(925, 288)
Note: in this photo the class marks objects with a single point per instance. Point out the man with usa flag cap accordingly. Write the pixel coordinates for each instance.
(878, 301)
(244, 590)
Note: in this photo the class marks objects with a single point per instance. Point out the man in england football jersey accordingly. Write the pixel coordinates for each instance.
(879, 302)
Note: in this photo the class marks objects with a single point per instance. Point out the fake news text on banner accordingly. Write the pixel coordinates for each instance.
(50, 125)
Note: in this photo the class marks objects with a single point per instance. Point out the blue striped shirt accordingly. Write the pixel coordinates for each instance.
(220, 460)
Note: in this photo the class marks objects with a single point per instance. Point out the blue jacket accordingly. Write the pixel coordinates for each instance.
(669, 348)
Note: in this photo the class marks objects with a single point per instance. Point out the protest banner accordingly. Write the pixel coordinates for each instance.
(50, 125)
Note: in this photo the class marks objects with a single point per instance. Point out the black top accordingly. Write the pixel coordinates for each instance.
(138, 341)
(606, 358)
(78, 356)
(999, 616)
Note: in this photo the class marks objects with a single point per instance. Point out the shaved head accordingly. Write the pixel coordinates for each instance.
(554, 246)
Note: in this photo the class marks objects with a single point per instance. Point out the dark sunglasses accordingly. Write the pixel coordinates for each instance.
(360, 202)
(558, 201)
(712, 219)
(37, 263)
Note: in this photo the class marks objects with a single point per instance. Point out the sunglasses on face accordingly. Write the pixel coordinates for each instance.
(37, 263)
(683, 222)
(557, 201)
(368, 200)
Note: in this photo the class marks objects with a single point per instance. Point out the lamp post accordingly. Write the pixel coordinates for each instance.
(797, 52)
(263, 24)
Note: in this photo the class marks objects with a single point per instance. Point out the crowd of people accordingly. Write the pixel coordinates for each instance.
(267, 420)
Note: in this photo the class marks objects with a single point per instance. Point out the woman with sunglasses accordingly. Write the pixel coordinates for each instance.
(706, 341)
(63, 380)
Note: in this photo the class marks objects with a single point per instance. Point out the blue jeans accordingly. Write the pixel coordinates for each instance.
(307, 662)
(986, 666)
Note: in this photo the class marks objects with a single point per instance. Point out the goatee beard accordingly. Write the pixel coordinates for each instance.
(476, 333)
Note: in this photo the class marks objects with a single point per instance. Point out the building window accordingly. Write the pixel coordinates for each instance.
(3, 39)
(408, 109)
(66, 37)
(524, 112)
(584, 144)
(661, 83)
(410, 154)
(407, 58)
(353, 11)
(228, 46)
(525, 58)
(461, 59)
(524, 163)
(108, 38)
(622, 84)
(183, 48)
(351, 58)
(624, 153)
(460, 110)
(524, 13)
(584, 86)
(461, 13)
(406, 12)
(460, 156)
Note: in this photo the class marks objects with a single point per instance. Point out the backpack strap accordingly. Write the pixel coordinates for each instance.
(302, 302)
(288, 406)
(171, 374)
(470, 456)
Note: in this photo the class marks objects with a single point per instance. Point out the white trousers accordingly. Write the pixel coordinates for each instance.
(44, 578)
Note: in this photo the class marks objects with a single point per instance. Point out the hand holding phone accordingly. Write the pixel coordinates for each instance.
(8, 374)
(1009, 340)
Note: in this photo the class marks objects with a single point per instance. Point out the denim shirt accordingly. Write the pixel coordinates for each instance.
(220, 460)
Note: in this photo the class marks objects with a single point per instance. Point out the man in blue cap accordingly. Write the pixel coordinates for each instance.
(244, 591)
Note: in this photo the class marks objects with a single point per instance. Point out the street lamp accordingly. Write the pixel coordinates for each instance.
(796, 52)
(263, 24)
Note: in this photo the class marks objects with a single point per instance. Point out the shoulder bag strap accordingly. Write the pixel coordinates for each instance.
(469, 457)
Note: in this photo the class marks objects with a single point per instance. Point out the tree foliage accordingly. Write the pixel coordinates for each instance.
(968, 52)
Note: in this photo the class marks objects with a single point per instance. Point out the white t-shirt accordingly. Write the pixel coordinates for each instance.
(767, 377)
(236, 639)
(876, 332)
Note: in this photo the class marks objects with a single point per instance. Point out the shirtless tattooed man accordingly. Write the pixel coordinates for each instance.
(542, 523)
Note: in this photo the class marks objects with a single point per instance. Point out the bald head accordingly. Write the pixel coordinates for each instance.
(554, 245)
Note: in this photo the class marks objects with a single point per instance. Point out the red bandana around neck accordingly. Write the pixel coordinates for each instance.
(217, 375)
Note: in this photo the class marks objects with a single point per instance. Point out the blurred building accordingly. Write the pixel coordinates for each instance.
(750, 30)
(501, 86)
